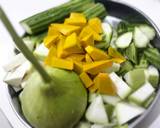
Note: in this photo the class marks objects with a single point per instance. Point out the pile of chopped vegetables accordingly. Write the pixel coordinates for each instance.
(72, 46)
(118, 65)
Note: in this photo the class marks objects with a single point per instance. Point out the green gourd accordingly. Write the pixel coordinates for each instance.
(59, 104)
(52, 98)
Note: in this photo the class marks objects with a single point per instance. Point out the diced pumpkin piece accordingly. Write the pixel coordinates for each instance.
(78, 67)
(93, 88)
(96, 54)
(96, 25)
(76, 19)
(105, 84)
(88, 30)
(88, 58)
(76, 57)
(86, 79)
(75, 15)
(60, 52)
(52, 31)
(97, 66)
(72, 44)
(60, 63)
(66, 29)
(50, 40)
(87, 40)
(115, 54)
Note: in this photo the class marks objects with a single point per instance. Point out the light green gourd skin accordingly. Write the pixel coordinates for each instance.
(54, 106)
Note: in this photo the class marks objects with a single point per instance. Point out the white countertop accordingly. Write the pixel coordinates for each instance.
(20, 9)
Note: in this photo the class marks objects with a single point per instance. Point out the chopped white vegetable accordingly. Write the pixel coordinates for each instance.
(125, 112)
(142, 94)
(140, 39)
(41, 51)
(15, 77)
(15, 62)
(92, 96)
(113, 100)
(83, 125)
(123, 90)
(124, 40)
(96, 112)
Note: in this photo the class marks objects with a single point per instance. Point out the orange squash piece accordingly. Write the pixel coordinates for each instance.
(96, 25)
(97, 66)
(105, 84)
(86, 79)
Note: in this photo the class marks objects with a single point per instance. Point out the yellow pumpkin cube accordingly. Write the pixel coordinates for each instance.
(72, 44)
(78, 67)
(86, 79)
(60, 63)
(88, 30)
(96, 25)
(105, 84)
(66, 29)
(97, 66)
(96, 54)
(75, 57)
(93, 88)
(50, 40)
(88, 58)
(87, 40)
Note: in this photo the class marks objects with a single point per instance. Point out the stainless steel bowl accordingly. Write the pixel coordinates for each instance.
(117, 11)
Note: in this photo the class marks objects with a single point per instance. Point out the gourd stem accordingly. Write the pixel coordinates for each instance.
(24, 49)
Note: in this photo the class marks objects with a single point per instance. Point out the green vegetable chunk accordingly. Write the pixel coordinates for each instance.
(135, 78)
(59, 104)
(131, 53)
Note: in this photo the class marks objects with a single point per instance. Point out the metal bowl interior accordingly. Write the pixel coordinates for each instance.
(115, 10)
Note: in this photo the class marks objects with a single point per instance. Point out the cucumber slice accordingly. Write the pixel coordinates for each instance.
(124, 40)
(123, 90)
(15, 62)
(148, 31)
(83, 125)
(142, 94)
(125, 112)
(41, 52)
(153, 75)
(114, 68)
(108, 31)
(96, 112)
(112, 100)
(140, 39)
(135, 78)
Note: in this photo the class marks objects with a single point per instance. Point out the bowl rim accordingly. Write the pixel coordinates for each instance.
(148, 110)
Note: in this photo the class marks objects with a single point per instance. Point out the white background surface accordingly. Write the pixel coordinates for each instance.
(20, 9)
